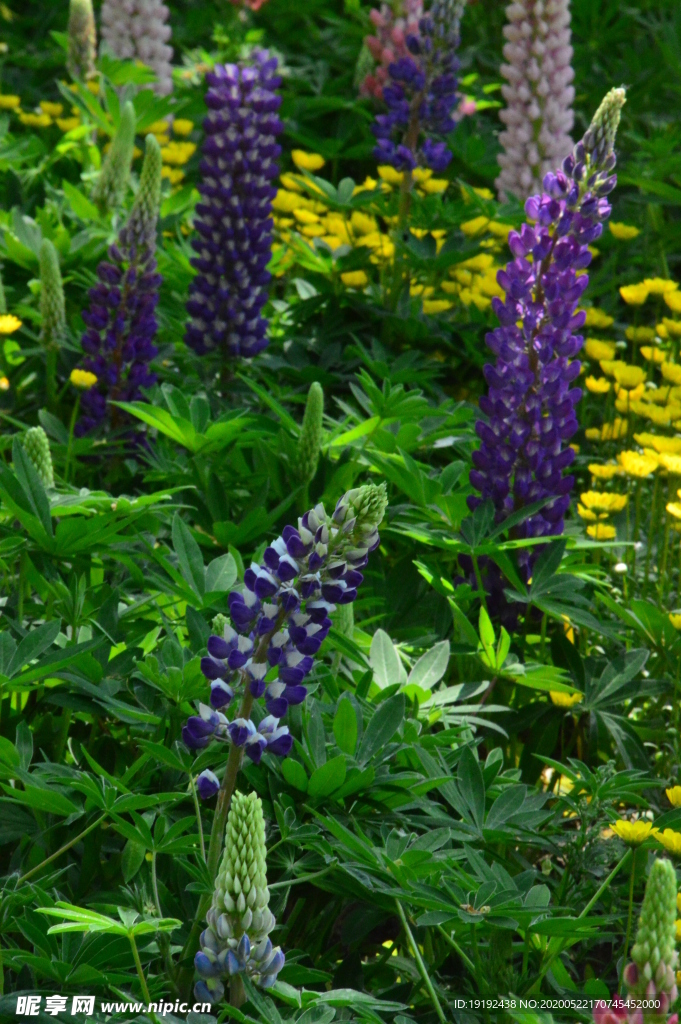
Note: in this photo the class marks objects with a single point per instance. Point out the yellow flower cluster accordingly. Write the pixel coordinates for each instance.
(46, 113)
(623, 232)
(175, 154)
(637, 294)
(565, 700)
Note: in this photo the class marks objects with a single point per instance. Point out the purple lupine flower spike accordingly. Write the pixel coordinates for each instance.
(531, 404)
(120, 322)
(421, 93)
(279, 621)
(234, 222)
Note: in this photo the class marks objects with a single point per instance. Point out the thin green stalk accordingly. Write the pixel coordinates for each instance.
(51, 377)
(140, 974)
(478, 580)
(69, 448)
(62, 849)
(303, 878)
(420, 964)
(457, 949)
(197, 808)
(652, 531)
(163, 939)
(629, 919)
(237, 992)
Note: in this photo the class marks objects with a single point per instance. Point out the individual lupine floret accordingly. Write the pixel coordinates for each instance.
(239, 921)
(234, 222)
(37, 447)
(280, 619)
(82, 40)
(138, 30)
(110, 186)
(531, 404)
(121, 325)
(393, 23)
(539, 95)
(310, 439)
(421, 93)
(52, 305)
(652, 973)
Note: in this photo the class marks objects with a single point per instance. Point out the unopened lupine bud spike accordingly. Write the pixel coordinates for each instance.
(139, 30)
(652, 973)
(239, 921)
(37, 447)
(310, 440)
(52, 305)
(144, 213)
(599, 140)
(82, 41)
(110, 186)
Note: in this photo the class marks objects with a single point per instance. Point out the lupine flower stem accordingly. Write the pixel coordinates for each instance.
(199, 823)
(630, 915)
(62, 849)
(423, 970)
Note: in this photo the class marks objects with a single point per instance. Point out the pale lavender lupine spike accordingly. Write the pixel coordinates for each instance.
(539, 95)
(138, 30)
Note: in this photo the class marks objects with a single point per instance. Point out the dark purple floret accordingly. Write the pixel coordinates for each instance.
(234, 223)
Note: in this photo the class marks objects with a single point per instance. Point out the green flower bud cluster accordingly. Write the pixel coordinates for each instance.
(367, 504)
(653, 971)
(52, 306)
(110, 187)
(310, 440)
(599, 140)
(239, 921)
(144, 214)
(82, 43)
(37, 447)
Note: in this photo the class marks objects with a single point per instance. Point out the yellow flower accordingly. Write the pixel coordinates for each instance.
(178, 153)
(639, 335)
(182, 126)
(609, 431)
(634, 832)
(470, 228)
(660, 285)
(306, 216)
(598, 350)
(674, 509)
(290, 182)
(433, 306)
(601, 531)
(9, 102)
(67, 124)
(673, 300)
(623, 232)
(671, 327)
(634, 294)
(354, 279)
(628, 376)
(597, 318)
(307, 161)
(585, 513)
(678, 932)
(35, 120)
(606, 472)
(159, 127)
(389, 175)
(637, 465)
(671, 372)
(675, 620)
(51, 109)
(434, 186)
(629, 396)
(565, 700)
(286, 202)
(654, 355)
(670, 839)
(674, 794)
(660, 444)
(83, 379)
(333, 241)
(362, 223)
(172, 174)
(599, 501)
(672, 463)
(9, 323)
(500, 230)
(421, 174)
(4, 384)
(597, 385)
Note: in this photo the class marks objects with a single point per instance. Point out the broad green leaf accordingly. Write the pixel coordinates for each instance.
(385, 722)
(33, 645)
(385, 661)
(47, 800)
(431, 666)
(345, 727)
(188, 555)
(471, 785)
(132, 859)
(220, 574)
(294, 773)
(328, 778)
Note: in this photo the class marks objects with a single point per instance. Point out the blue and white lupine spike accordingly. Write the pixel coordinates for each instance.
(281, 617)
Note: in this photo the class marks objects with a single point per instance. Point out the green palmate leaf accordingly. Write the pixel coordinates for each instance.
(384, 723)
(471, 785)
(345, 727)
(431, 666)
(295, 774)
(188, 555)
(33, 645)
(328, 778)
(47, 800)
(385, 660)
(220, 574)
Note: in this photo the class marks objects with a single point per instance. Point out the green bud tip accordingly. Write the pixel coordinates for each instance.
(599, 140)
(37, 447)
(219, 623)
(82, 42)
(369, 503)
(144, 213)
(110, 186)
(310, 440)
(52, 306)
(656, 936)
